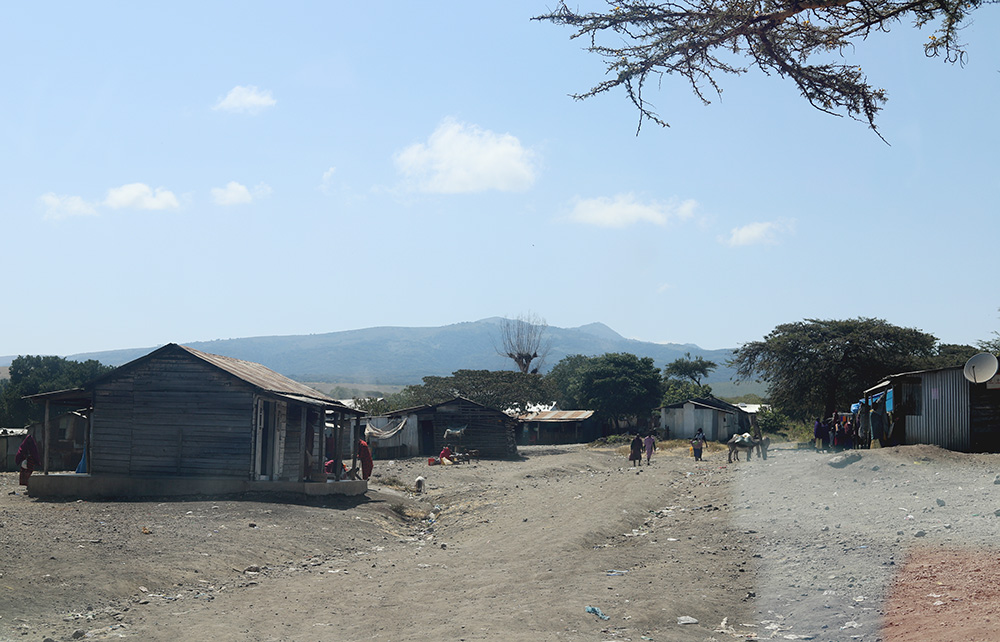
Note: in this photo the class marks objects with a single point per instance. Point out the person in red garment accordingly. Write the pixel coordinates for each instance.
(365, 455)
(27, 459)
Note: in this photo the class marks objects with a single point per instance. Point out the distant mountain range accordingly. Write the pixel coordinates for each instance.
(402, 356)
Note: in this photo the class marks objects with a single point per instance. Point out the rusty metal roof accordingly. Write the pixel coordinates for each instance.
(255, 374)
(558, 415)
(264, 378)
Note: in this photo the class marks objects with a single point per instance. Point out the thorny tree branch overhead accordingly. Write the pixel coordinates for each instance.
(693, 39)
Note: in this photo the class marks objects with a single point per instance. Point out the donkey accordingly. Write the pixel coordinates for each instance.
(747, 444)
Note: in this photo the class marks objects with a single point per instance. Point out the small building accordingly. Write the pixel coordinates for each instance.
(939, 407)
(395, 437)
(471, 426)
(10, 441)
(717, 419)
(558, 427)
(215, 423)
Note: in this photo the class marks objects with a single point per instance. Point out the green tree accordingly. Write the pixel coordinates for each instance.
(817, 366)
(947, 355)
(564, 380)
(373, 406)
(620, 385)
(770, 420)
(804, 42)
(30, 375)
(497, 389)
(679, 390)
(694, 369)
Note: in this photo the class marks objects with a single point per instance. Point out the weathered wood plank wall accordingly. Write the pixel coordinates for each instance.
(488, 431)
(173, 416)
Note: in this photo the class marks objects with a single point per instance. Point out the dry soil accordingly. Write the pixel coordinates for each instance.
(899, 544)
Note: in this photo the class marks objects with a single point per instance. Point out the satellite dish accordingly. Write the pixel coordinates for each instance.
(981, 368)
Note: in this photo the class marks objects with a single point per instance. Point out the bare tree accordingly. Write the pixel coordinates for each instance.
(523, 340)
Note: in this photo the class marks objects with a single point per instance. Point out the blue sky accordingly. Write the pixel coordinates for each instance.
(197, 171)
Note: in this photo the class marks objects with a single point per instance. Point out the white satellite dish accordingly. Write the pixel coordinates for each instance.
(981, 367)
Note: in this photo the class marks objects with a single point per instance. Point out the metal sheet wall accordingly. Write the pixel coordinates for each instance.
(945, 412)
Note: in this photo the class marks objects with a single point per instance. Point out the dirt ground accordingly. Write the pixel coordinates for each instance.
(898, 545)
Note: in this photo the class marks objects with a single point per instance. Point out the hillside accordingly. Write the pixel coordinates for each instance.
(401, 356)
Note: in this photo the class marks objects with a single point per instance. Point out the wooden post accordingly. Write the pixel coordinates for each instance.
(88, 453)
(303, 423)
(338, 458)
(355, 425)
(46, 430)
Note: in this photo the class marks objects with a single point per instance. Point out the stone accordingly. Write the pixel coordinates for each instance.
(842, 461)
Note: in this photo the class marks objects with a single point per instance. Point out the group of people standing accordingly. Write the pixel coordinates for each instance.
(840, 432)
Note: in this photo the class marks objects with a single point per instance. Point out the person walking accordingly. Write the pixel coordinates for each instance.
(650, 445)
(698, 444)
(635, 451)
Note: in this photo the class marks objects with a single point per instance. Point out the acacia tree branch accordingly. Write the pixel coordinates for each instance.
(698, 39)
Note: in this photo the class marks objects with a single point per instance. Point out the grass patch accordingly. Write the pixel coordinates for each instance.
(612, 440)
(407, 512)
(393, 482)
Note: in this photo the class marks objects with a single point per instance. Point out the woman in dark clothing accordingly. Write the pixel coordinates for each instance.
(635, 453)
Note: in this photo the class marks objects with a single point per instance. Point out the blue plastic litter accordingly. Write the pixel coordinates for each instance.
(596, 611)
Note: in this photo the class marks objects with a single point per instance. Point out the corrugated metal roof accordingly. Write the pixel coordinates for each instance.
(255, 374)
(889, 378)
(264, 378)
(559, 415)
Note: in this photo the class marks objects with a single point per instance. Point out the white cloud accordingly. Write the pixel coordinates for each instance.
(463, 158)
(247, 99)
(60, 207)
(758, 233)
(141, 197)
(237, 194)
(327, 178)
(624, 210)
(232, 194)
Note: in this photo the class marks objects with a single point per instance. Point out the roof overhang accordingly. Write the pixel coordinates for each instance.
(76, 397)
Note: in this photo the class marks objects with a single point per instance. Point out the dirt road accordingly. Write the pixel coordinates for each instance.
(788, 548)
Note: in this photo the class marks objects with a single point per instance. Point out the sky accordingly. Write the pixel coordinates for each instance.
(194, 171)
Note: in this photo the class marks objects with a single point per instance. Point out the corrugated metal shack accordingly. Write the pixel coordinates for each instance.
(487, 430)
(717, 419)
(10, 441)
(942, 408)
(180, 412)
(558, 427)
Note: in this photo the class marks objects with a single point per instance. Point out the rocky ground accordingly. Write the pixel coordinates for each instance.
(895, 545)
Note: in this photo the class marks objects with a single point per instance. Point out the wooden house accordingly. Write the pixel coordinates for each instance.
(717, 419)
(181, 413)
(938, 407)
(487, 430)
